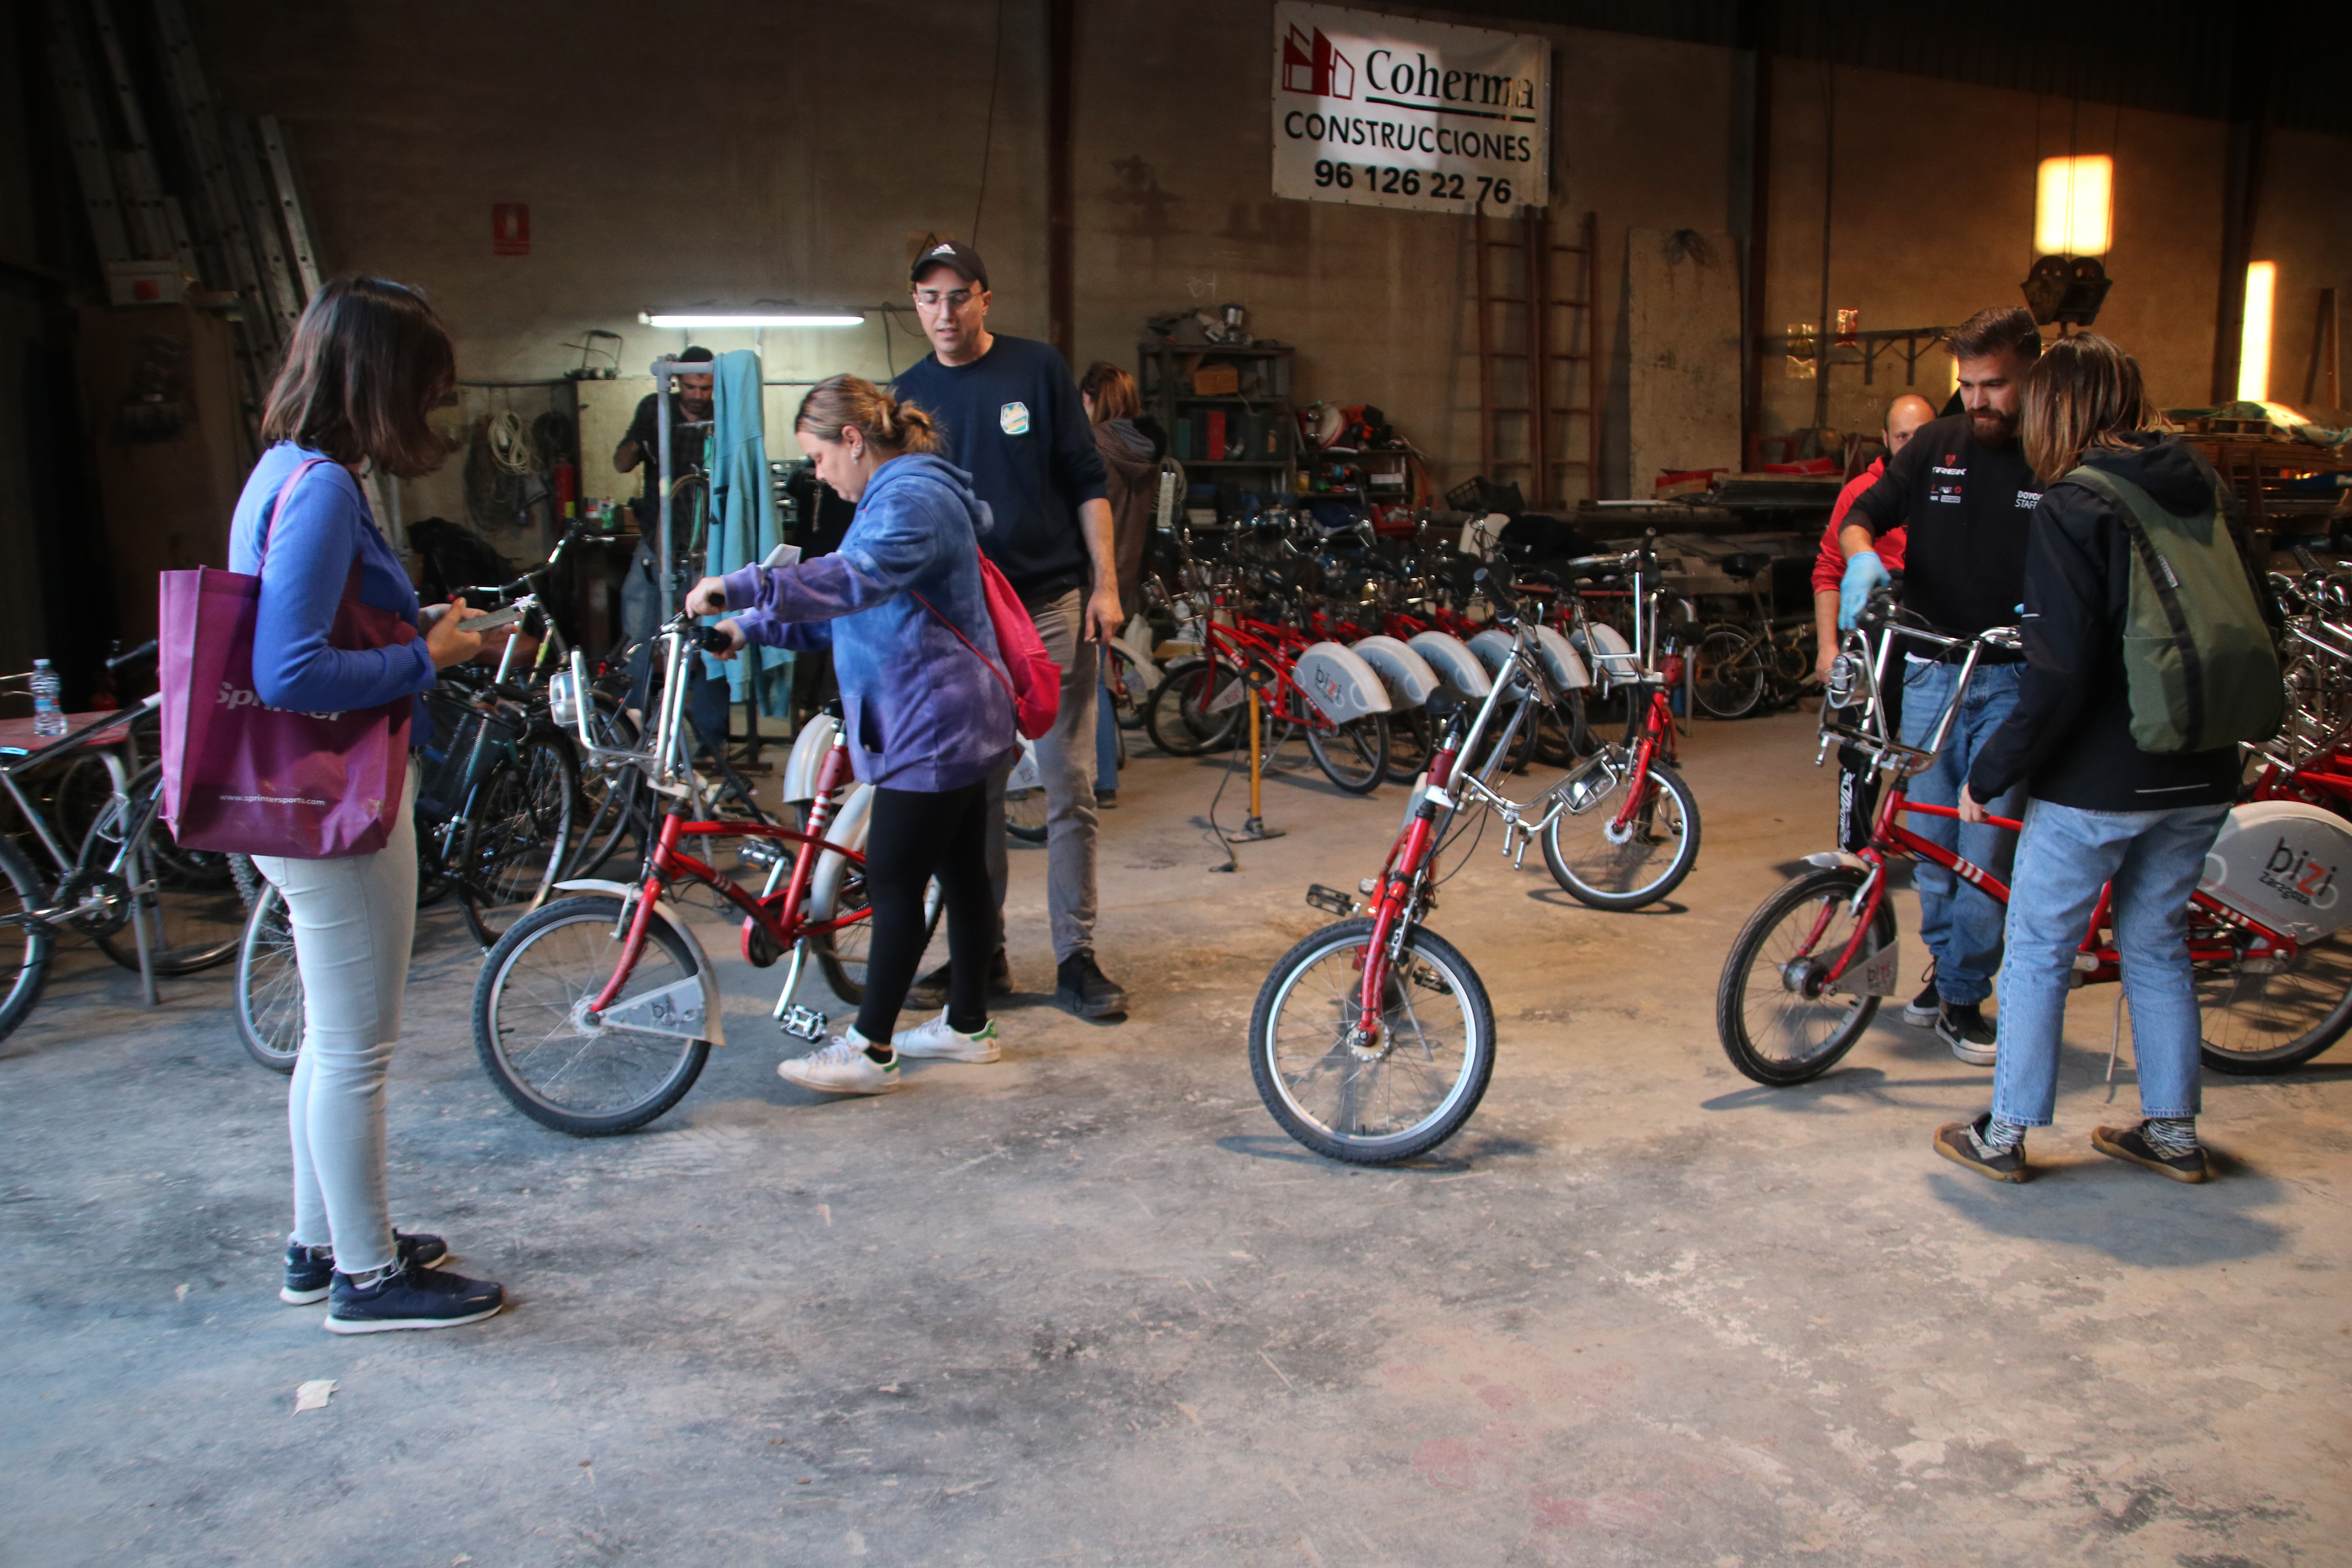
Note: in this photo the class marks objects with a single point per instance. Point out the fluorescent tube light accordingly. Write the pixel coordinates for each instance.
(687, 320)
(2254, 342)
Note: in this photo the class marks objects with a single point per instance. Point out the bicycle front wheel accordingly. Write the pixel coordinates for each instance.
(1355, 755)
(1180, 715)
(1409, 741)
(1025, 813)
(195, 915)
(1406, 1090)
(269, 984)
(1624, 867)
(2257, 1023)
(1728, 673)
(517, 832)
(533, 1034)
(1778, 1022)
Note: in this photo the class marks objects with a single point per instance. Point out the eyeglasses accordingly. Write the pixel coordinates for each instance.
(932, 299)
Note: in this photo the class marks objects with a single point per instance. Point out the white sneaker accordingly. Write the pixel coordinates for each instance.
(935, 1039)
(842, 1068)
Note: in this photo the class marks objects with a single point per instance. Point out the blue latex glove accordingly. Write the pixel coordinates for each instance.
(1865, 574)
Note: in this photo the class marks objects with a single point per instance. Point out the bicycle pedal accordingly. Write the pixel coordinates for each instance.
(1329, 898)
(802, 1023)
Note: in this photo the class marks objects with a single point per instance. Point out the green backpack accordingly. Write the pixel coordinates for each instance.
(2198, 655)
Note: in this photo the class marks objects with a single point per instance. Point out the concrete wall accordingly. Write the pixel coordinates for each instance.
(818, 138)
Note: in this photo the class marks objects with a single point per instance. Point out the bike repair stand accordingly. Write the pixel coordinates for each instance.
(1257, 679)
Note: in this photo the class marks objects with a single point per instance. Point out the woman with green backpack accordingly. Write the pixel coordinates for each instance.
(2148, 656)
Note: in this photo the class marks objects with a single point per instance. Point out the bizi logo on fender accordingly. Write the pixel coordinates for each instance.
(2293, 874)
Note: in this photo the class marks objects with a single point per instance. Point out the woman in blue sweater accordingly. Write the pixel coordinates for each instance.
(367, 361)
(924, 700)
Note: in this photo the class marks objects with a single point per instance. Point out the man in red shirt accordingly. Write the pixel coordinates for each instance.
(1904, 416)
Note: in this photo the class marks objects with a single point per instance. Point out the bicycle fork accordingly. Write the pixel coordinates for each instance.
(1393, 900)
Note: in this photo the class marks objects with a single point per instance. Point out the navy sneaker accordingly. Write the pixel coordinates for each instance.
(310, 1270)
(410, 1298)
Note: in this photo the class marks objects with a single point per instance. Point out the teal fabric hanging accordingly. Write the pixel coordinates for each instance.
(742, 499)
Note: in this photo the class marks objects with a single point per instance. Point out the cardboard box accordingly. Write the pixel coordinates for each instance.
(1216, 380)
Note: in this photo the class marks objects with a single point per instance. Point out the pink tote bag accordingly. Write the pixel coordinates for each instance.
(243, 778)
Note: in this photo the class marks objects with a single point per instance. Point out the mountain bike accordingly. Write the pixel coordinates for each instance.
(147, 903)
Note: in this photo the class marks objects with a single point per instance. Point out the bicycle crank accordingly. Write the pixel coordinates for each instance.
(97, 902)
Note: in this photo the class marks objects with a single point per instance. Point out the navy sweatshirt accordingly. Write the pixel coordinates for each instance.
(1014, 422)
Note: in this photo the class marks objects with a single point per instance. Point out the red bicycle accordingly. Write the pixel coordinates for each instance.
(1198, 707)
(594, 1014)
(1806, 973)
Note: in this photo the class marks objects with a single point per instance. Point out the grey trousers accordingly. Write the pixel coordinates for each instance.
(354, 921)
(1065, 757)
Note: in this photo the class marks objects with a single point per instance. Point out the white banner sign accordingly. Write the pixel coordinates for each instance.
(1391, 112)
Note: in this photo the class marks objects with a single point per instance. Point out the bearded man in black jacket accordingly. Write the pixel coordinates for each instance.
(2099, 809)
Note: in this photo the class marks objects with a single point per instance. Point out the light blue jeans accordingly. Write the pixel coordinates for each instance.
(1959, 924)
(2063, 858)
(354, 921)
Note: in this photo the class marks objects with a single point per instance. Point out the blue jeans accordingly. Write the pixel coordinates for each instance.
(2063, 858)
(1959, 924)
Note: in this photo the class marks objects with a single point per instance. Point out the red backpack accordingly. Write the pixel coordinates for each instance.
(1035, 680)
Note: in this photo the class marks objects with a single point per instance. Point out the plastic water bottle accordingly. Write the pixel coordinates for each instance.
(49, 710)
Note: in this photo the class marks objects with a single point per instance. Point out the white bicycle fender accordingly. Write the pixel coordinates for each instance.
(1560, 661)
(1410, 680)
(1494, 649)
(713, 1022)
(807, 760)
(1338, 682)
(848, 830)
(1454, 665)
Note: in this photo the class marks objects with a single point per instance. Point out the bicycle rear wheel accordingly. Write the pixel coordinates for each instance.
(841, 953)
(196, 916)
(531, 1031)
(1401, 1095)
(1775, 1021)
(2258, 1023)
(1623, 869)
(269, 984)
(24, 949)
(519, 823)
(1728, 672)
(1125, 679)
(1355, 755)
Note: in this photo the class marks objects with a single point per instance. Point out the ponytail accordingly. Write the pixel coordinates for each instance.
(840, 403)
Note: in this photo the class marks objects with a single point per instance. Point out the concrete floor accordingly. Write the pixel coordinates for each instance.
(1089, 1306)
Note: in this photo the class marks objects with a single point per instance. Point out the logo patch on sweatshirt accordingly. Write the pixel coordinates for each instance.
(1014, 418)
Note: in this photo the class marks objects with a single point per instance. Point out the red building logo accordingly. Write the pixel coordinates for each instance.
(1315, 68)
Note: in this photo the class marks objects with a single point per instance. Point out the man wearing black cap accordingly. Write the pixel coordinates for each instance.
(1013, 421)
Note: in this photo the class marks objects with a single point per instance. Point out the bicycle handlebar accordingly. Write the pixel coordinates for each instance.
(1506, 602)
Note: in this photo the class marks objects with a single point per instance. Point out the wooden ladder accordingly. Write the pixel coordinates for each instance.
(1531, 433)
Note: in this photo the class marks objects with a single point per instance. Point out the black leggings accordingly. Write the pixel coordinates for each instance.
(913, 835)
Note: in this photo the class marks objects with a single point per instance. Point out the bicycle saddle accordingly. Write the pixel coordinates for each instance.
(1740, 568)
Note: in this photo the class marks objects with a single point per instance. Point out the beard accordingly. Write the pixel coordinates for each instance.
(1991, 427)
